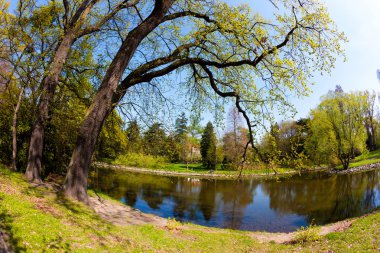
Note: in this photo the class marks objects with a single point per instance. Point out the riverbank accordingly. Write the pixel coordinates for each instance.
(234, 174)
(362, 163)
(217, 174)
(38, 218)
(366, 167)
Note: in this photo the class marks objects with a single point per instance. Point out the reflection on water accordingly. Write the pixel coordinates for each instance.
(270, 205)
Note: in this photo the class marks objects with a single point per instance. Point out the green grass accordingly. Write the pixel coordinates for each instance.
(159, 163)
(38, 220)
(364, 159)
(199, 168)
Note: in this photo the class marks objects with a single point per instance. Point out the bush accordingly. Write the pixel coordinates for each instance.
(141, 160)
(308, 234)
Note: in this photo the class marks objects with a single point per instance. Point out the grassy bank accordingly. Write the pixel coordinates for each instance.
(366, 158)
(160, 164)
(39, 220)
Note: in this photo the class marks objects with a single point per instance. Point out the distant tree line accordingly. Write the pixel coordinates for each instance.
(341, 127)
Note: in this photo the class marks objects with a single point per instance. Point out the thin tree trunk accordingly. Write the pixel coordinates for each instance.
(75, 185)
(14, 129)
(48, 89)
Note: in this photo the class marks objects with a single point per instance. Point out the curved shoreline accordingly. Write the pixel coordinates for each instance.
(367, 167)
(232, 175)
(121, 214)
(201, 175)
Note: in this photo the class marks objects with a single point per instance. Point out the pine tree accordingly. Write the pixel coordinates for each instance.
(181, 125)
(208, 147)
(155, 140)
(134, 138)
(181, 138)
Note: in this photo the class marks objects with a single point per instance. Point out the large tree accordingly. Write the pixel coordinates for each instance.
(370, 121)
(73, 20)
(225, 51)
(337, 126)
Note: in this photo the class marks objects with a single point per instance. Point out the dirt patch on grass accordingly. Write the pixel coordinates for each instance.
(286, 238)
(7, 189)
(42, 205)
(123, 215)
(3, 245)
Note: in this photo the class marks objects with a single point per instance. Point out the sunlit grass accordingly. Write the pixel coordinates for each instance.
(157, 164)
(364, 159)
(38, 220)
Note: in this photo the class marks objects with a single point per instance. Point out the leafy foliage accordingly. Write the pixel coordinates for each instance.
(337, 128)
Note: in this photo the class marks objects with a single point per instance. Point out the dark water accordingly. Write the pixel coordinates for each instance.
(268, 205)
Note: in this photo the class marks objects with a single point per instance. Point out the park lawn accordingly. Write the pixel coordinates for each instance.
(38, 220)
(199, 168)
(366, 158)
(160, 164)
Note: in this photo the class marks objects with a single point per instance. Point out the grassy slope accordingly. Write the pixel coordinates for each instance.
(368, 158)
(38, 220)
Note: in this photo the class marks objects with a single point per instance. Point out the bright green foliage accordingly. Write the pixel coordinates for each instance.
(284, 144)
(113, 139)
(337, 127)
(208, 147)
(371, 123)
(309, 234)
(29, 39)
(141, 161)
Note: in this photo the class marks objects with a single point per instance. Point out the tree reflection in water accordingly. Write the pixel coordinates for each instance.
(299, 200)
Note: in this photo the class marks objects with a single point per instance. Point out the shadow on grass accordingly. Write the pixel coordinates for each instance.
(84, 218)
(12, 243)
(77, 214)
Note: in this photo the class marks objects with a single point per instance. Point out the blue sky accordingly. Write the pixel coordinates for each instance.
(360, 20)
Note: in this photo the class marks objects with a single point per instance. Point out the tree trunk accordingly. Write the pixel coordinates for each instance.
(75, 185)
(48, 89)
(14, 129)
(76, 179)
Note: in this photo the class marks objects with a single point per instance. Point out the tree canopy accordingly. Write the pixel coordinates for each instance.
(125, 54)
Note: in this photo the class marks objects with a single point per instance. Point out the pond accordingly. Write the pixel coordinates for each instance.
(273, 205)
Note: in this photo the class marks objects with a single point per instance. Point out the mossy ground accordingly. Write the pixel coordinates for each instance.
(37, 219)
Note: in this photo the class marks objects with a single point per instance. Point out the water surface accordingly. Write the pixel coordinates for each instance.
(273, 205)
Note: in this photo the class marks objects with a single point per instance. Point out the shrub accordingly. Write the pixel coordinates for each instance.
(141, 160)
(173, 224)
(308, 234)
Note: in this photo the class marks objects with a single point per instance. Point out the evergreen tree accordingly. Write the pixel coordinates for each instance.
(181, 125)
(181, 138)
(134, 138)
(208, 146)
(155, 140)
